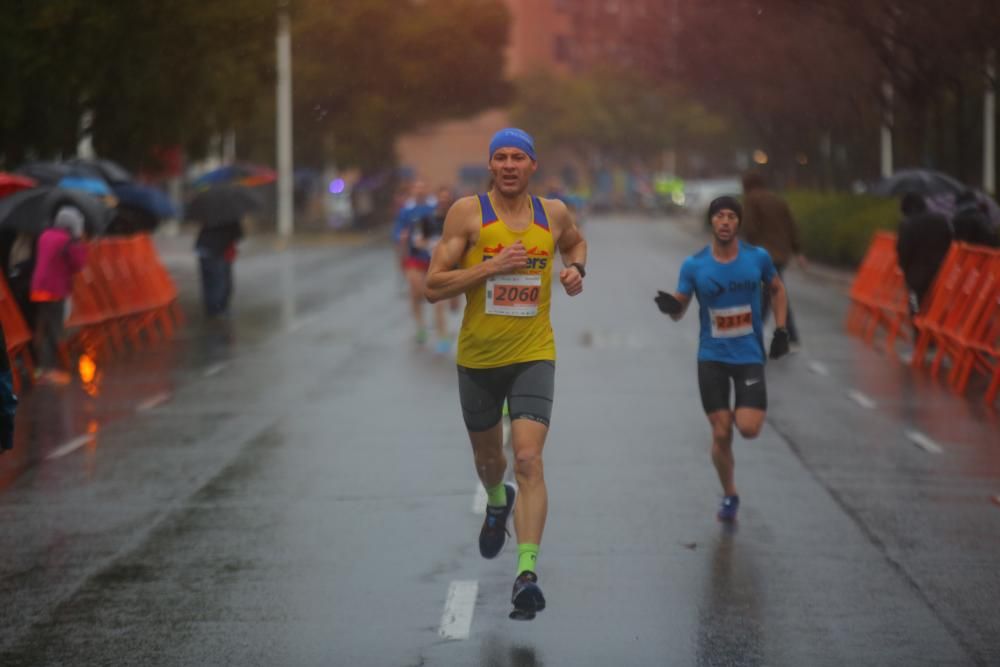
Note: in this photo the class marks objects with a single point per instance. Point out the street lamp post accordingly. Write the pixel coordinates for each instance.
(989, 125)
(284, 121)
(886, 130)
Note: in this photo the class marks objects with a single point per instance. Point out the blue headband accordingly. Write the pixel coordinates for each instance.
(512, 137)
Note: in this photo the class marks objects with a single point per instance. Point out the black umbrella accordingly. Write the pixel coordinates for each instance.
(926, 182)
(221, 204)
(110, 171)
(47, 173)
(31, 211)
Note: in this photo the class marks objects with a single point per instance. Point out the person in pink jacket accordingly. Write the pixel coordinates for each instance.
(60, 254)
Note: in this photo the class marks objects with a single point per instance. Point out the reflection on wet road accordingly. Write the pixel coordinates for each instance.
(294, 487)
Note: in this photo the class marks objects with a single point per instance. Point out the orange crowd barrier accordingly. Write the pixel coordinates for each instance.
(879, 298)
(958, 326)
(975, 345)
(17, 334)
(952, 298)
(123, 295)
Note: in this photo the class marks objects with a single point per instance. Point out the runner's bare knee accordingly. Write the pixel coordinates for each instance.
(749, 423)
(722, 428)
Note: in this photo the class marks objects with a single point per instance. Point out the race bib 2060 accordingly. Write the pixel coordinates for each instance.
(515, 294)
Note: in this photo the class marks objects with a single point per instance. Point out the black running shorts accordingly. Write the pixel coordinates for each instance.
(714, 378)
(528, 388)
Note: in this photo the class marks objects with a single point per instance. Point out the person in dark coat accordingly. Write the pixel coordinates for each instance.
(216, 248)
(768, 223)
(922, 242)
(8, 399)
(971, 222)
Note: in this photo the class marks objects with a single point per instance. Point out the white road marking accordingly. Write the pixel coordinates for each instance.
(861, 399)
(458, 608)
(479, 502)
(214, 369)
(924, 442)
(70, 447)
(153, 401)
(819, 369)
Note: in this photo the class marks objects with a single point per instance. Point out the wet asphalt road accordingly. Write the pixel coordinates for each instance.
(297, 489)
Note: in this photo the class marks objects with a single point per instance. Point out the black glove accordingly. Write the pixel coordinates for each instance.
(668, 303)
(779, 343)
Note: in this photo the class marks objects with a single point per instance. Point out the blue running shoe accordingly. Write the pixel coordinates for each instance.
(526, 597)
(494, 531)
(728, 509)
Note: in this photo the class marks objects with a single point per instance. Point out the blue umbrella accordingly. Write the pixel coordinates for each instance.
(236, 174)
(92, 186)
(145, 198)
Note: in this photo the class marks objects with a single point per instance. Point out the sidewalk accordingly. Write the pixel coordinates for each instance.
(176, 247)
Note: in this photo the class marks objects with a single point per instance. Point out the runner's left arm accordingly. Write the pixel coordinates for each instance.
(779, 300)
(572, 247)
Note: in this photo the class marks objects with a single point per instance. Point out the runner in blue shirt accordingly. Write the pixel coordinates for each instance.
(727, 277)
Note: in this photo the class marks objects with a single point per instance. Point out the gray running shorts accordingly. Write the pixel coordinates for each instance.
(528, 388)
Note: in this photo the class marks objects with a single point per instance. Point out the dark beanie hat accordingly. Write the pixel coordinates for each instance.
(720, 203)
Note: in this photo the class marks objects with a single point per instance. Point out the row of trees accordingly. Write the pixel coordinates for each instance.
(811, 77)
(146, 74)
(804, 79)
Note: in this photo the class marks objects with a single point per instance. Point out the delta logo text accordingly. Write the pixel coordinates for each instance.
(537, 258)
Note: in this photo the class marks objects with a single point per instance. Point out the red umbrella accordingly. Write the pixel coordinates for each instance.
(11, 183)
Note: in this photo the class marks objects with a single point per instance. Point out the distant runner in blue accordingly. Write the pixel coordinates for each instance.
(727, 278)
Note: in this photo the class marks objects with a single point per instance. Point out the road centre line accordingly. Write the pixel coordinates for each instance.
(456, 620)
(924, 442)
(819, 369)
(153, 401)
(214, 369)
(861, 399)
(70, 447)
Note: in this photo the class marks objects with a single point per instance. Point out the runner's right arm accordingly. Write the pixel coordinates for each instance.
(444, 280)
(674, 304)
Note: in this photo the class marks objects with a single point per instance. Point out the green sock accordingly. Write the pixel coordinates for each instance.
(497, 496)
(527, 554)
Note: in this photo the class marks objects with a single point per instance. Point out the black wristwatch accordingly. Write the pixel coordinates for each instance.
(579, 267)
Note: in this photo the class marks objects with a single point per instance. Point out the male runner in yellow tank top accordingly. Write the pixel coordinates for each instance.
(498, 249)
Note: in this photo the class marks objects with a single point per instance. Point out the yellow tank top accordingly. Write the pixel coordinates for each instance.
(506, 319)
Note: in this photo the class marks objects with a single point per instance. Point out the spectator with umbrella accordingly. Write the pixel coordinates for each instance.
(922, 242)
(61, 254)
(971, 222)
(8, 399)
(220, 212)
(24, 216)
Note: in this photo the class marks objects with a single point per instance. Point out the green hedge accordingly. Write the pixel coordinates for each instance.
(837, 228)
